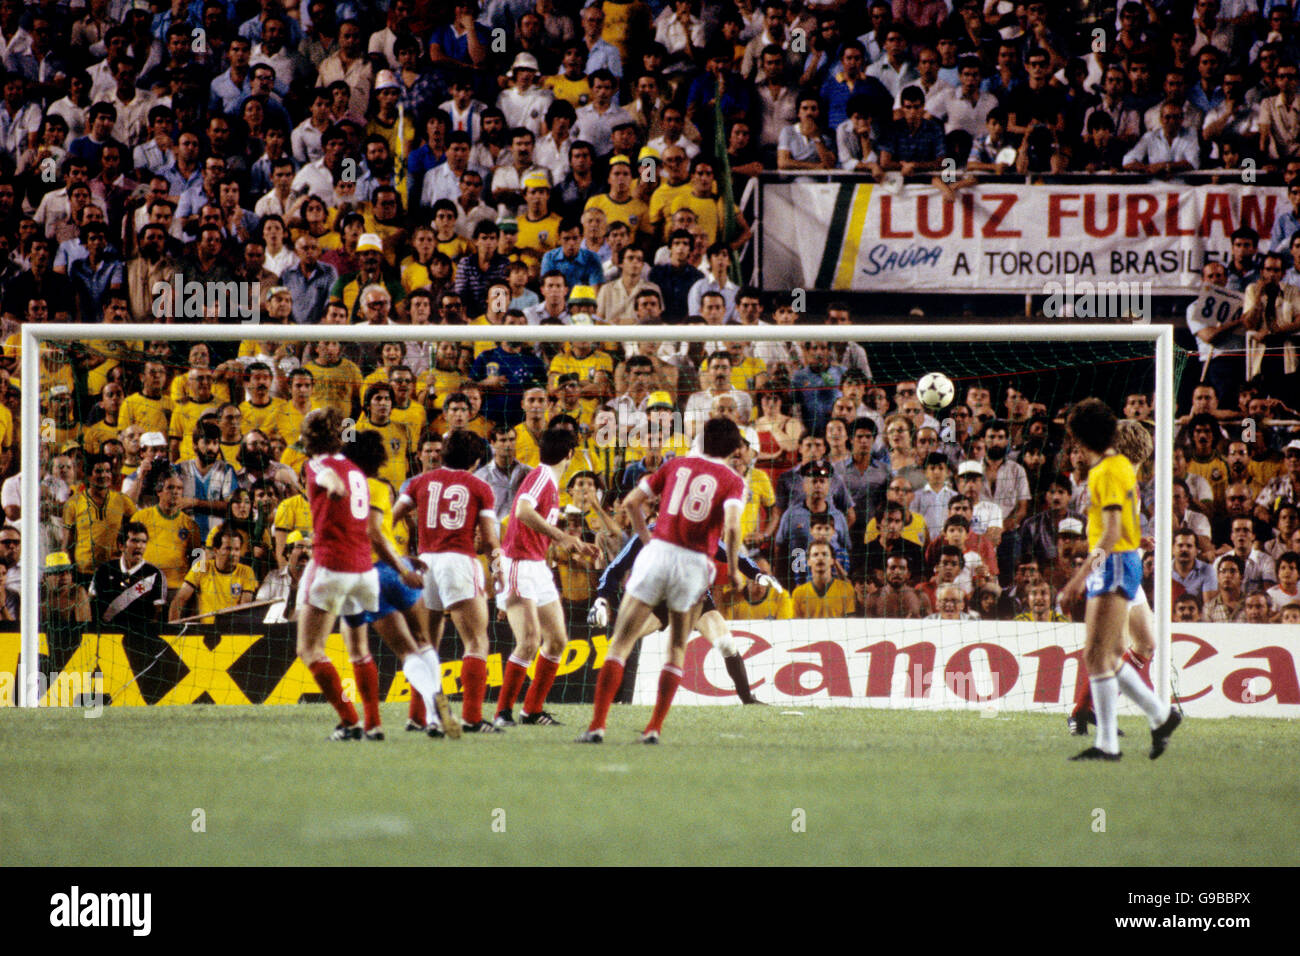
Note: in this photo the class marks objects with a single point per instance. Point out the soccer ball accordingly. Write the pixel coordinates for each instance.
(935, 390)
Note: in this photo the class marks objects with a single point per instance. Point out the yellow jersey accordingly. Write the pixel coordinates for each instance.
(336, 385)
(184, 417)
(180, 394)
(708, 211)
(267, 418)
(398, 442)
(759, 494)
(294, 514)
(442, 382)
(527, 450)
(217, 591)
(659, 202)
(381, 500)
(631, 211)
(1112, 483)
(171, 543)
(147, 414)
(837, 601)
(91, 437)
(773, 607)
(414, 418)
(290, 424)
(540, 236)
(914, 531)
(96, 528)
(577, 92)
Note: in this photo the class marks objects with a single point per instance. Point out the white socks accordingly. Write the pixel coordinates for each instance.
(1105, 696)
(1133, 687)
(424, 682)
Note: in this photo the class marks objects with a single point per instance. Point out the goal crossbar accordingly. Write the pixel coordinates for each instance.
(33, 336)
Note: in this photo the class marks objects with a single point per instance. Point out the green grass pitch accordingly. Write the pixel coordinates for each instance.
(257, 786)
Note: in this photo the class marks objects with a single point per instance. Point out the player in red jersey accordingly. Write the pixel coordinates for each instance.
(529, 596)
(401, 621)
(449, 504)
(340, 578)
(700, 499)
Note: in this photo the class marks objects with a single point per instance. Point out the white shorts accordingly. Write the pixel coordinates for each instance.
(339, 592)
(450, 578)
(668, 574)
(527, 579)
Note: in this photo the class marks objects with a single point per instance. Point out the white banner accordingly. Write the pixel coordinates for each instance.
(1220, 670)
(1005, 237)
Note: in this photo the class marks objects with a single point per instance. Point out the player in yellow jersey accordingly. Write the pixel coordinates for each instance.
(401, 619)
(219, 580)
(539, 225)
(391, 355)
(1113, 575)
(302, 399)
(378, 417)
(824, 595)
(292, 514)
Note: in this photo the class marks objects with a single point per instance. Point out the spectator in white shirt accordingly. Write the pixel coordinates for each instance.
(1168, 150)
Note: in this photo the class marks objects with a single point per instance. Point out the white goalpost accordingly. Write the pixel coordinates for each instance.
(35, 337)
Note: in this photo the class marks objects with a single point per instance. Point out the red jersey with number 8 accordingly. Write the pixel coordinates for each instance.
(447, 506)
(341, 538)
(522, 543)
(693, 493)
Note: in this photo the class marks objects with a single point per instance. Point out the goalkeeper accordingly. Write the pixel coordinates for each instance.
(710, 622)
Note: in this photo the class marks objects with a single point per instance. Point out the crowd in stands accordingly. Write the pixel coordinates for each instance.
(536, 162)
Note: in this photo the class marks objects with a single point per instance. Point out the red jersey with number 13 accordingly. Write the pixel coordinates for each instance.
(447, 506)
(693, 493)
(341, 540)
(525, 544)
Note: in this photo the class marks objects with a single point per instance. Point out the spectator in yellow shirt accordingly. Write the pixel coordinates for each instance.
(218, 579)
(823, 596)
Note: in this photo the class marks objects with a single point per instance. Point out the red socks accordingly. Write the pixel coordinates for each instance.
(511, 682)
(543, 678)
(608, 682)
(669, 679)
(367, 674)
(327, 678)
(416, 710)
(473, 681)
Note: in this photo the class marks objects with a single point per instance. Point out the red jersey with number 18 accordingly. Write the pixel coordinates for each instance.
(525, 544)
(341, 540)
(693, 493)
(447, 506)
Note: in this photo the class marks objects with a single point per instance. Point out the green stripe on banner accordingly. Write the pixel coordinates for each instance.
(835, 236)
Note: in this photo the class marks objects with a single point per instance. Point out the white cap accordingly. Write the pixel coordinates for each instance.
(1292, 446)
(1070, 526)
(524, 61)
(971, 467)
(385, 80)
(153, 440)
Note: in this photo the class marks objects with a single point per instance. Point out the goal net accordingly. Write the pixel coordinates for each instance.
(903, 555)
